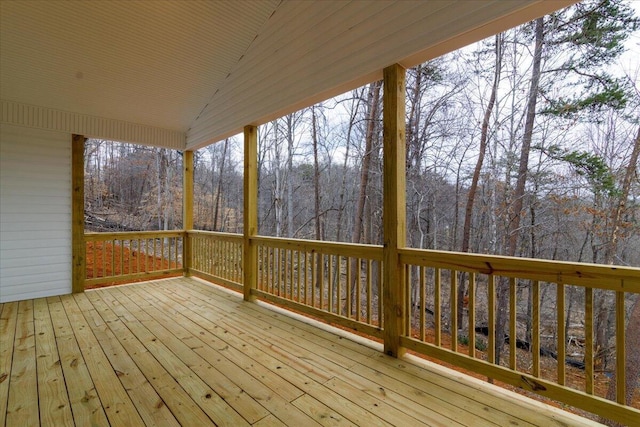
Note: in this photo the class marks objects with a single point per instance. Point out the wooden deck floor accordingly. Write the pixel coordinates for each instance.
(182, 352)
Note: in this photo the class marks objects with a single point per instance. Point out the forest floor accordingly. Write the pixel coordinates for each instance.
(102, 261)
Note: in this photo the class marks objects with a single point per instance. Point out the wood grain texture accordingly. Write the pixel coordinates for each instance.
(393, 206)
(78, 248)
(180, 351)
(187, 208)
(250, 217)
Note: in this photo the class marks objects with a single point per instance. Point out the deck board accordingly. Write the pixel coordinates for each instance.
(115, 400)
(182, 352)
(8, 320)
(22, 407)
(85, 403)
(252, 386)
(149, 404)
(55, 409)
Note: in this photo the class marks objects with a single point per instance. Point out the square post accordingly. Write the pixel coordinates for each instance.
(187, 210)
(394, 208)
(78, 245)
(250, 215)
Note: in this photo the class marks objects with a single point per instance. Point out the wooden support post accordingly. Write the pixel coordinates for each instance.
(250, 262)
(78, 248)
(394, 208)
(187, 210)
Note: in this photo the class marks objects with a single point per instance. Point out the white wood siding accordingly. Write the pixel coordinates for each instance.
(35, 213)
(32, 116)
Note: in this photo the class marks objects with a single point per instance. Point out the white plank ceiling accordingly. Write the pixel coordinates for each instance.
(207, 68)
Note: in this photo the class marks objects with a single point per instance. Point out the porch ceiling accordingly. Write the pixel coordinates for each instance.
(207, 68)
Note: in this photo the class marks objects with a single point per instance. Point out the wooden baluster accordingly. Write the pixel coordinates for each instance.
(113, 261)
(561, 332)
(212, 256)
(339, 260)
(471, 310)
(588, 341)
(380, 291)
(620, 349)
(215, 258)
(196, 252)
(280, 270)
(288, 254)
(315, 286)
(236, 258)
(437, 304)
(298, 276)
(407, 298)
(349, 293)
(193, 242)
(491, 290)
(423, 303)
(121, 257)
(283, 273)
(535, 328)
(513, 331)
(453, 302)
(265, 268)
(227, 256)
(305, 278)
(104, 259)
(206, 255)
(330, 284)
(161, 253)
(272, 270)
(368, 279)
(320, 278)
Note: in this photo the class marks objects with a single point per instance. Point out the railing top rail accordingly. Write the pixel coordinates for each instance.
(331, 248)
(612, 277)
(228, 236)
(132, 234)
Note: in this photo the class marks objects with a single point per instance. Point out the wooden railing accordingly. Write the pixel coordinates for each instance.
(534, 297)
(217, 257)
(548, 343)
(338, 282)
(129, 256)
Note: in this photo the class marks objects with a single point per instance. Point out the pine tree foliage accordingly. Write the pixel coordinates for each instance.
(589, 37)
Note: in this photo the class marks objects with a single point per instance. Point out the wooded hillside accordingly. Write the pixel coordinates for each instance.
(525, 144)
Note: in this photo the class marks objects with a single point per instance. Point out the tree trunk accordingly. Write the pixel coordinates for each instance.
(372, 105)
(316, 176)
(484, 137)
(632, 366)
(316, 198)
(374, 99)
(290, 126)
(345, 168)
(161, 175)
(513, 226)
(278, 182)
(216, 207)
(612, 246)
